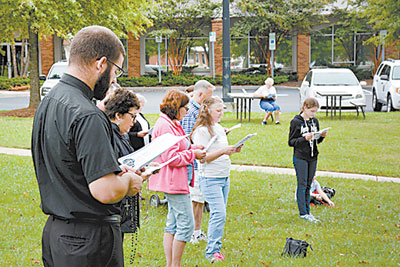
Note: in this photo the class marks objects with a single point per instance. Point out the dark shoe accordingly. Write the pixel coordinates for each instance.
(277, 122)
(264, 123)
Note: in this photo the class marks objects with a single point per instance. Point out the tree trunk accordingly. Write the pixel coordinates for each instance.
(14, 60)
(377, 58)
(21, 70)
(25, 73)
(34, 67)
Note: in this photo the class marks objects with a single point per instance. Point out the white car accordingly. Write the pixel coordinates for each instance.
(386, 86)
(332, 81)
(54, 76)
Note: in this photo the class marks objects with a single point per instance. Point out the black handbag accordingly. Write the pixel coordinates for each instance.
(295, 248)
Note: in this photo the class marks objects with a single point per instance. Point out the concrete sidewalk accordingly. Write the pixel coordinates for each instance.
(269, 170)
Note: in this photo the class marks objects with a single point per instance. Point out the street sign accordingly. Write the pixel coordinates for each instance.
(213, 36)
(272, 44)
(158, 39)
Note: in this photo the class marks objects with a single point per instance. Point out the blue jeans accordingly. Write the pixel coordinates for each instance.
(305, 171)
(180, 220)
(269, 106)
(215, 191)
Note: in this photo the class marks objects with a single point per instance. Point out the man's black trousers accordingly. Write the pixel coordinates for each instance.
(75, 243)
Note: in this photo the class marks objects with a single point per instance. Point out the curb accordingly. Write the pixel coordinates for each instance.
(289, 171)
(240, 168)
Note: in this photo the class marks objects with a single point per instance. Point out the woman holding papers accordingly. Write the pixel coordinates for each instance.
(214, 173)
(268, 100)
(173, 178)
(302, 137)
(139, 133)
(122, 108)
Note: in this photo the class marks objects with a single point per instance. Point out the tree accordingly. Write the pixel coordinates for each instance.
(381, 15)
(37, 19)
(180, 21)
(349, 21)
(261, 17)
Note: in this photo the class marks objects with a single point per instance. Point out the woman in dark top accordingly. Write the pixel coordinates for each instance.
(305, 154)
(139, 134)
(122, 108)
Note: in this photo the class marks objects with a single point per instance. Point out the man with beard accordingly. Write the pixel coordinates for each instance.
(74, 157)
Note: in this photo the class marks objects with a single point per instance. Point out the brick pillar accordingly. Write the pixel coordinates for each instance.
(216, 26)
(303, 55)
(133, 56)
(46, 54)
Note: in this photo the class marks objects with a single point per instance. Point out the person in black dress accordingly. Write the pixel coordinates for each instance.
(139, 133)
(122, 108)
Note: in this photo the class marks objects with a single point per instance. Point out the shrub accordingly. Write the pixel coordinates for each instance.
(6, 83)
(187, 79)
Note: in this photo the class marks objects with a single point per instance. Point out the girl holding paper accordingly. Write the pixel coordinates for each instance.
(173, 178)
(305, 154)
(214, 173)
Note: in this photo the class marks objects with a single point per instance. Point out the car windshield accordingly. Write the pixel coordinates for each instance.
(57, 71)
(335, 79)
(396, 73)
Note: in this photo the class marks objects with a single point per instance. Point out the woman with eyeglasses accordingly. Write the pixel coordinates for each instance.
(122, 108)
(174, 178)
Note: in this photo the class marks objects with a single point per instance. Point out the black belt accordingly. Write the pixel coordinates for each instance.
(98, 219)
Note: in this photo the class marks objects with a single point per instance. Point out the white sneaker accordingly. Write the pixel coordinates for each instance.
(314, 218)
(202, 236)
(310, 218)
(195, 239)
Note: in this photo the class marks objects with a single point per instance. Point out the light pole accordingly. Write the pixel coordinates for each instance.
(158, 41)
(226, 52)
(213, 38)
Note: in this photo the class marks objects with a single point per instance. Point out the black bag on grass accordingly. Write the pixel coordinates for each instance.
(295, 248)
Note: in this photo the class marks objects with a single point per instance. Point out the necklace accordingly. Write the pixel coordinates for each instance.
(134, 214)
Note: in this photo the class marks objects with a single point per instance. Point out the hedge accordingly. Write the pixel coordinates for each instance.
(188, 79)
(6, 83)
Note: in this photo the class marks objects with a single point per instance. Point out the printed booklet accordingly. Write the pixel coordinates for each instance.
(234, 127)
(247, 137)
(150, 152)
(151, 169)
(317, 135)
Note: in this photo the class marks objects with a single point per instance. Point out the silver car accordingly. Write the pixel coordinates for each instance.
(332, 81)
(53, 77)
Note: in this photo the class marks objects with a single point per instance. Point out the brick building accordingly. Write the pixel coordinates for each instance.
(51, 50)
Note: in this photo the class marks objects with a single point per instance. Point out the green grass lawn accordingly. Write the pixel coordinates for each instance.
(363, 229)
(354, 145)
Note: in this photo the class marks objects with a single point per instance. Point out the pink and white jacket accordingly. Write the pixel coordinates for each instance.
(173, 178)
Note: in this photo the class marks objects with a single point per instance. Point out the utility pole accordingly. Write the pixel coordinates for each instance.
(226, 52)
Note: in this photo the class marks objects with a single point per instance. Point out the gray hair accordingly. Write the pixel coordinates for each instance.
(141, 98)
(269, 81)
(202, 86)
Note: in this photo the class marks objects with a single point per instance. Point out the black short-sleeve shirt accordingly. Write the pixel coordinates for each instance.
(72, 146)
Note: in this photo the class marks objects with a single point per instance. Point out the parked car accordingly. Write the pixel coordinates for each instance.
(53, 77)
(332, 80)
(386, 86)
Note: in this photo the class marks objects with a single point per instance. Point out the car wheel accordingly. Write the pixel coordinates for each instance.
(389, 104)
(375, 104)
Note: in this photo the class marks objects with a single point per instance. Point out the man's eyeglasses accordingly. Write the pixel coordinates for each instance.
(133, 116)
(119, 71)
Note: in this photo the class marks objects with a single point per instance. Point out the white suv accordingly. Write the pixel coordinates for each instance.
(386, 86)
(54, 76)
